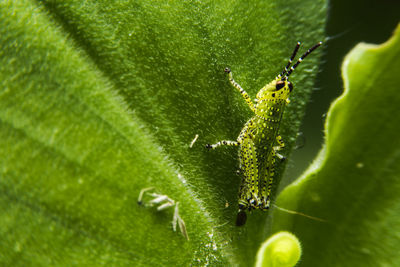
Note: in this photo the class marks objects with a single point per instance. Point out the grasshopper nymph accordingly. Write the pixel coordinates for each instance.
(259, 140)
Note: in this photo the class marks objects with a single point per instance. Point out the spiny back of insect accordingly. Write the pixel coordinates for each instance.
(287, 71)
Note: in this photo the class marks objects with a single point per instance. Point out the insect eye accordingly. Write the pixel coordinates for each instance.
(280, 85)
(290, 86)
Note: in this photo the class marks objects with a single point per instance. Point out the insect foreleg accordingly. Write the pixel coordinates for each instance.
(242, 92)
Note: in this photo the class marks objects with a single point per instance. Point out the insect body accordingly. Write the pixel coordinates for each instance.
(259, 140)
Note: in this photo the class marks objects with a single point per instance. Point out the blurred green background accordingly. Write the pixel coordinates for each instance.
(349, 22)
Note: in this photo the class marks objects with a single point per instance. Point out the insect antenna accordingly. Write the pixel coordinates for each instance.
(302, 57)
(290, 59)
(300, 213)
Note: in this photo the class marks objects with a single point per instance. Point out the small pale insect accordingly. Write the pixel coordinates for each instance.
(259, 140)
(164, 202)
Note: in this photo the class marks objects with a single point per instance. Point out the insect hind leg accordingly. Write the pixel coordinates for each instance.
(245, 132)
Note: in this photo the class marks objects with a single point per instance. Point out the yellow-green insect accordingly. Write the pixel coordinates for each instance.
(259, 140)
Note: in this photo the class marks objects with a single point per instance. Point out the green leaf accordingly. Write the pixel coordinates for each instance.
(355, 181)
(280, 250)
(100, 99)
